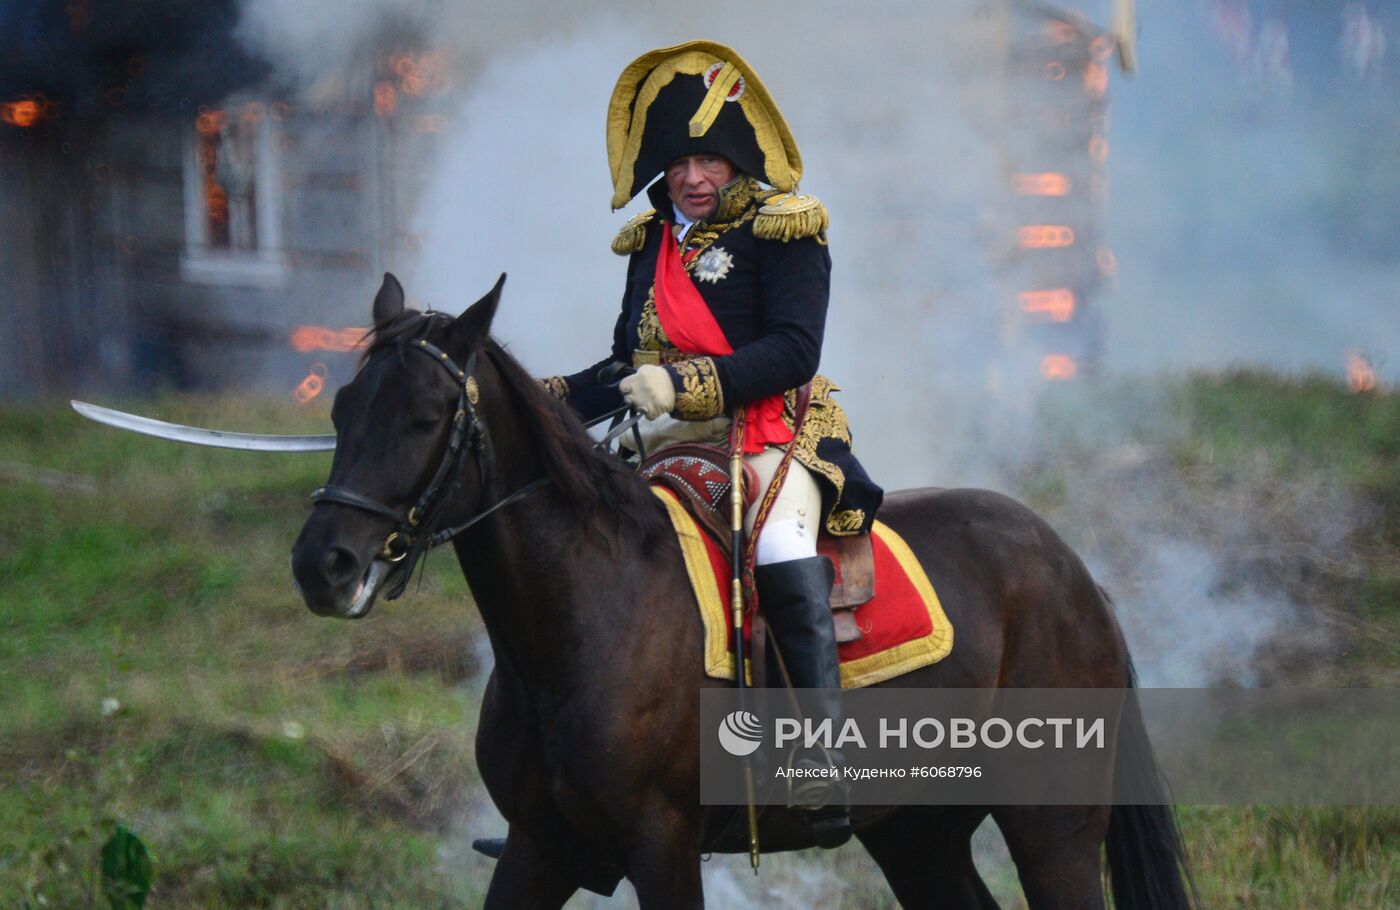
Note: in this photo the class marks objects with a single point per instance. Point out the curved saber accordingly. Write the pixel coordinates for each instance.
(219, 439)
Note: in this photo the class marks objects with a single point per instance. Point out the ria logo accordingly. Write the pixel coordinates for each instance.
(740, 733)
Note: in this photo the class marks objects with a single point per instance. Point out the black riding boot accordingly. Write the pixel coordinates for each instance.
(795, 597)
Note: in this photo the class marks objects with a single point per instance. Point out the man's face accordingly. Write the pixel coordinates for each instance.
(694, 182)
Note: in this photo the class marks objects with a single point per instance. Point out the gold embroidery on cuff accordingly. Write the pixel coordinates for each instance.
(700, 396)
(844, 522)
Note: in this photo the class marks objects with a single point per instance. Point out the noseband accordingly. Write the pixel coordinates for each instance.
(415, 534)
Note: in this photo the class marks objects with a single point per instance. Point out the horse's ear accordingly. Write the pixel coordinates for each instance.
(388, 303)
(471, 328)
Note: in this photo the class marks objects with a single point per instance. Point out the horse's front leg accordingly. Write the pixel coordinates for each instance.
(664, 861)
(530, 875)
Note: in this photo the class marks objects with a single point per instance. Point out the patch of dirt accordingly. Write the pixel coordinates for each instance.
(450, 658)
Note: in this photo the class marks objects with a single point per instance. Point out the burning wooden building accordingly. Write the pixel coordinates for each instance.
(179, 212)
(173, 212)
(1057, 70)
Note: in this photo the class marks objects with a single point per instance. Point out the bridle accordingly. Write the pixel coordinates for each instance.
(415, 533)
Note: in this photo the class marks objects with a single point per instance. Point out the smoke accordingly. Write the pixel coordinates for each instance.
(1249, 196)
(524, 190)
(309, 41)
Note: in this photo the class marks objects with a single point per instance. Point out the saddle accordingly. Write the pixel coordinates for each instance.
(699, 476)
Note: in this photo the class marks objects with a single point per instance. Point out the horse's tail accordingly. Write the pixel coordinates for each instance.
(1147, 861)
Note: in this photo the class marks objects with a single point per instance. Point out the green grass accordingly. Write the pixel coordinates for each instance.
(1294, 457)
(256, 772)
(270, 758)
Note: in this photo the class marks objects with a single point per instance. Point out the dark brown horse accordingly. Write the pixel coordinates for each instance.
(589, 732)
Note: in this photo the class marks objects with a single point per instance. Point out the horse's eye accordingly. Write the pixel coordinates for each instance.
(425, 418)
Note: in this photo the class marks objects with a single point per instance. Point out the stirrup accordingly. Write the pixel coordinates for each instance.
(816, 794)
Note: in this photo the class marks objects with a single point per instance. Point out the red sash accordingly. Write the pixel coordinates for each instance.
(692, 328)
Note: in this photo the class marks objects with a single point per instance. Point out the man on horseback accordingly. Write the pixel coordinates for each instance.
(724, 311)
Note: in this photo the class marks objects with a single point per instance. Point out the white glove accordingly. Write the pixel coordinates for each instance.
(649, 390)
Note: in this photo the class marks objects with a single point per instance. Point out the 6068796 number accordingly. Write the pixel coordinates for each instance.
(946, 771)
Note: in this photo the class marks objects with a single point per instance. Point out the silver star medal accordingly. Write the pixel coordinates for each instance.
(713, 264)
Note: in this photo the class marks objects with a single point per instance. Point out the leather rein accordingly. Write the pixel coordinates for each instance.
(416, 531)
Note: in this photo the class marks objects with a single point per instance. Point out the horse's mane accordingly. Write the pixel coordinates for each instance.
(596, 485)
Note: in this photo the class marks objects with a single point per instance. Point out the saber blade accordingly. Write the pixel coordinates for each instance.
(219, 439)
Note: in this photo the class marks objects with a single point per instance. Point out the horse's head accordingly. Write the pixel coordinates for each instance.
(409, 449)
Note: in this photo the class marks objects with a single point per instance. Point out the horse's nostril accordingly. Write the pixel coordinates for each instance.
(340, 566)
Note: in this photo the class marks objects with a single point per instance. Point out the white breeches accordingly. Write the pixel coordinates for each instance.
(790, 532)
(795, 519)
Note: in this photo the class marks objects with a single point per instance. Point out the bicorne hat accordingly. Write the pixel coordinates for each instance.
(698, 98)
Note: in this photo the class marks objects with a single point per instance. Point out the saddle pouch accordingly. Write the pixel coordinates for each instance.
(854, 560)
(699, 475)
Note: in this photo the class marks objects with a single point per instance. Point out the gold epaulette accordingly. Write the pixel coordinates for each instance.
(789, 216)
(633, 235)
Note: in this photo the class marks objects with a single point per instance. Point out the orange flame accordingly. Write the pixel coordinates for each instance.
(1054, 71)
(1055, 367)
(417, 74)
(1096, 79)
(1100, 48)
(1045, 184)
(1058, 303)
(1098, 148)
(386, 99)
(1044, 236)
(306, 338)
(1361, 376)
(209, 123)
(23, 113)
(312, 384)
(215, 202)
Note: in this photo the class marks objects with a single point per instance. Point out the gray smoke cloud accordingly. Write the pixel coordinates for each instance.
(307, 41)
(1249, 198)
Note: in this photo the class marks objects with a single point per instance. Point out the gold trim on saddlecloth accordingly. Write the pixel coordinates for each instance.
(903, 658)
(921, 652)
(719, 663)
